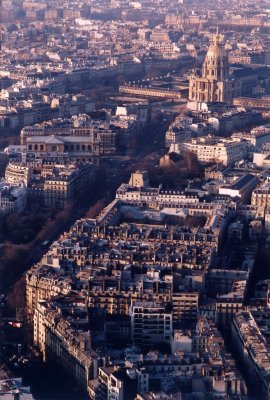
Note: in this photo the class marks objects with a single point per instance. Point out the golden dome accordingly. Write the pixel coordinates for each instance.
(216, 49)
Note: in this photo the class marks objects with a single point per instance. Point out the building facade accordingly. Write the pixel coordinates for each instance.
(213, 84)
(150, 323)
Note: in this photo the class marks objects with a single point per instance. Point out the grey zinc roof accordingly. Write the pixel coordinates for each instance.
(57, 139)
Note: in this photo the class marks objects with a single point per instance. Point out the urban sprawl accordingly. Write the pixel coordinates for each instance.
(135, 198)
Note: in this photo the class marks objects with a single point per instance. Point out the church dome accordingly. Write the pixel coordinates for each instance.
(216, 49)
(216, 64)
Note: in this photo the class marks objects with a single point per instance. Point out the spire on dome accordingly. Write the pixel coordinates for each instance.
(217, 38)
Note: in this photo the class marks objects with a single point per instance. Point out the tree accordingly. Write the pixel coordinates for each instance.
(16, 298)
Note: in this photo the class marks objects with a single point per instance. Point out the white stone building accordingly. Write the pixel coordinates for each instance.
(219, 150)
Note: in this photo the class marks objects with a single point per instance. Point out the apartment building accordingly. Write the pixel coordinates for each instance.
(185, 306)
(57, 184)
(12, 198)
(261, 196)
(65, 183)
(42, 283)
(210, 149)
(257, 137)
(62, 343)
(17, 173)
(253, 350)
(257, 103)
(221, 281)
(267, 220)
(116, 383)
(177, 134)
(119, 302)
(154, 197)
(230, 303)
(206, 336)
(150, 323)
(262, 293)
